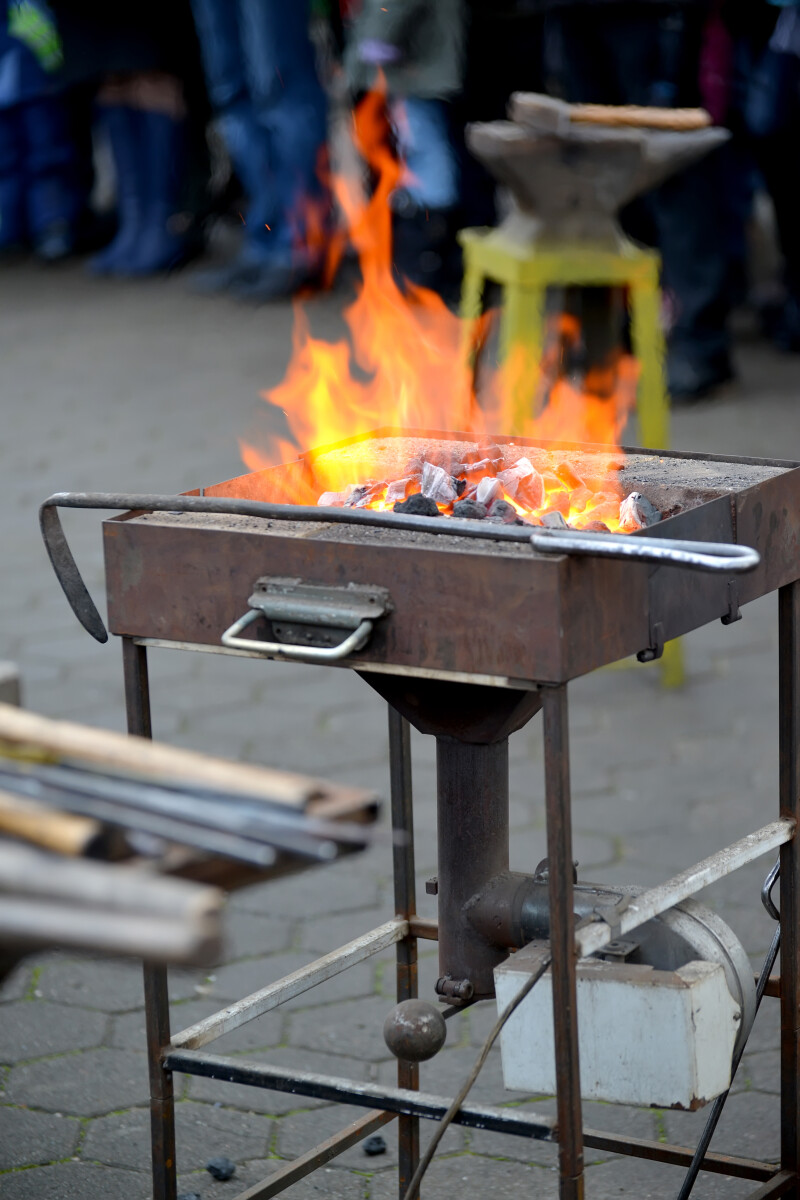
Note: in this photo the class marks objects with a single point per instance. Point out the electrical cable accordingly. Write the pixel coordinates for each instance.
(528, 986)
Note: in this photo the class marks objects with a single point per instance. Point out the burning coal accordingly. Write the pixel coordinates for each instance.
(490, 483)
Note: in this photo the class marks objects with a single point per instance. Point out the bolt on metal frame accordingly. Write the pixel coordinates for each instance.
(181, 1052)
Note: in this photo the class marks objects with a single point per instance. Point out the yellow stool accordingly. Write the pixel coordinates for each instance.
(525, 273)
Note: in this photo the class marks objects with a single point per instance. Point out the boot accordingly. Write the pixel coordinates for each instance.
(158, 248)
(123, 130)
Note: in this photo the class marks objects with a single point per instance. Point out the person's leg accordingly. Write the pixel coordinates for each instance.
(425, 205)
(53, 197)
(13, 229)
(773, 114)
(290, 109)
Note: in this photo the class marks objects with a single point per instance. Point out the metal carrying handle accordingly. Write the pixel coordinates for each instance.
(308, 654)
(727, 558)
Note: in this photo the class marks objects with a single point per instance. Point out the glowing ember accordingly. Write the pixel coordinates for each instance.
(406, 365)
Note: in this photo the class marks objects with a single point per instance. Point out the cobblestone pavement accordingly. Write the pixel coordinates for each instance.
(141, 387)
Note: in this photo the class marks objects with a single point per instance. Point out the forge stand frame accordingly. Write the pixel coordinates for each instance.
(182, 1052)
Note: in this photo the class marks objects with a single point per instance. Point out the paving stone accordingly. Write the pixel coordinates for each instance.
(759, 1073)
(88, 1083)
(299, 1132)
(261, 1100)
(31, 1138)
(327, 933)
(34, 1028)
(477, 1176)
(75, 1181)
(202, 1131)
(108, 986)
(248, 934)
(636, 1177)
(352, 1028)
(749, 1126)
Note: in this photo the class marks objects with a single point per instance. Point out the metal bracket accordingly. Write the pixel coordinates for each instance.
(656, 647)
(733, 613)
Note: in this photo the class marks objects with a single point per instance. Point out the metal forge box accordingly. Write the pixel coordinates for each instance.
(467, 629)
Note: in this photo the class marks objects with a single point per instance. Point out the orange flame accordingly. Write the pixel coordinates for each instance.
(407, 364)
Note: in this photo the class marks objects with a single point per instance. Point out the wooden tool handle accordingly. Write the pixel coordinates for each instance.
(640, 116)
(60, 832)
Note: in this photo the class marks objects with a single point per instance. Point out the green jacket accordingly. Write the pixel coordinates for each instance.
(429, 36)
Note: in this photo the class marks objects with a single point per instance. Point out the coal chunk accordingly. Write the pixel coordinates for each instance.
(554, 520)
(472, 510)
(636, 512)
(417, 506)
(596, 527)
(503, 513)
(221, 1168)
(374, 1145)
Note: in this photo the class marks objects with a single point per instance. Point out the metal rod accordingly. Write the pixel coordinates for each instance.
(405, 902)
(656, 900)
(789, 789)
(494, 1118)
(156, 992)
(275, 994)
(312, 1160)
(562, 942)
(729, 558)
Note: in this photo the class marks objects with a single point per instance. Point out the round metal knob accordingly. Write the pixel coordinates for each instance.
(414, 1031)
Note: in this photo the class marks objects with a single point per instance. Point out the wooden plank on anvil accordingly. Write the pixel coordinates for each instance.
(25, 734)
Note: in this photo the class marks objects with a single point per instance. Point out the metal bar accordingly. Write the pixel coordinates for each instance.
(156, 992)
(283, 1178)
(780, 1185)
(497, 1119)
(656, 900)
(405, 902)
(290, 986)
(364, 1095)
(679, 1156)
(789, 789)
(562, 942)
(423, 927)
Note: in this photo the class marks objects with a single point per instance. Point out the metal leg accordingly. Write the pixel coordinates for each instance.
(405, 901)
(562, 942)
(156, 995)
(789, 760)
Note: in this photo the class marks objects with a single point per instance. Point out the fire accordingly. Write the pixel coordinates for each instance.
(406, 364)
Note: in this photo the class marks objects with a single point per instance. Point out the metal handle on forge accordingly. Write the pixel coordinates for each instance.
(308, 654)
(725, 557)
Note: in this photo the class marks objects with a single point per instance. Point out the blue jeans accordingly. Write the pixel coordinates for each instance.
(262, 83)
(38, 185)
(431, 174)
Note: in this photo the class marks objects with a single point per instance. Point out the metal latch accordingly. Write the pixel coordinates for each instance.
(307, 619)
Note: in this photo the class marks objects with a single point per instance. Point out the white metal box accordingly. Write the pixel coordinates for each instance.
(649, 1037)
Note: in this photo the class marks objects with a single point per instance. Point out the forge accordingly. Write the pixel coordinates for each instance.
(468, 629)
